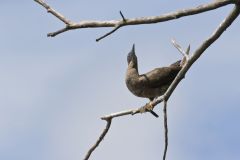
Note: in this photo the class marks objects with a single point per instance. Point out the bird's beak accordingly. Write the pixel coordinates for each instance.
(133, 49)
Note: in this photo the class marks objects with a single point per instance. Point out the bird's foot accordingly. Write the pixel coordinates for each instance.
(148, 108)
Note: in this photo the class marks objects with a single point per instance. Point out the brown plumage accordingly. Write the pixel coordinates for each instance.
(151, 84)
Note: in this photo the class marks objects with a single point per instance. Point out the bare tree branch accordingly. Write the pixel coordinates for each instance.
(58, 32)
(165, 129)
(116, 24)
(119, 114)
(215, 35)
(53, 12)
(100, 139)
(179, 48)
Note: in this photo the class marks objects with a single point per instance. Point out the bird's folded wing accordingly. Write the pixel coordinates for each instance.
(159, 76)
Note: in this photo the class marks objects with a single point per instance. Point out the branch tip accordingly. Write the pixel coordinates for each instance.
(107, 34)
(188, 50)
(154, 113)
(100, 139)
(179, 48)
(122, 16)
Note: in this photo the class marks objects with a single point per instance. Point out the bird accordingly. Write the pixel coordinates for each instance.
(153, 83)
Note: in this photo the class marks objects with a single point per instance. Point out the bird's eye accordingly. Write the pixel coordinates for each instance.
(128, 58)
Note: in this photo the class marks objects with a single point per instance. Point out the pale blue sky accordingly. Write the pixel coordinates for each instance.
(54, 90)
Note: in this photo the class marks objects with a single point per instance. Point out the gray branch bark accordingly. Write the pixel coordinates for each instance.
(109, 121)
(116, 24)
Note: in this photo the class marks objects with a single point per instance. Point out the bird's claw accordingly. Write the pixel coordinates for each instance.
(148, 108)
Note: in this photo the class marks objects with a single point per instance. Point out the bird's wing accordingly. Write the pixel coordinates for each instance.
(159, 76)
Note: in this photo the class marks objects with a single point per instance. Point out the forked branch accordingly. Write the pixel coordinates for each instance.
(116, 24)
(198, 52)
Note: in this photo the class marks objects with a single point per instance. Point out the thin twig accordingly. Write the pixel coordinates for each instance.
(165, 129)
(119, 114)
(127, 112)
(100, 139)
(124, 19)
(120, 24)
(179, 48)
(107, 34)
(53, 12)
(58, 32)
(134, 21)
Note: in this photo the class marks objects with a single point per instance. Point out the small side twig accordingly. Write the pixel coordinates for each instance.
(58, 32)
(119, 114)
(53, 12)
(107, 34)
(165, 129)
(124, 19)
(179, 48)
(118, 25)
(100, 139)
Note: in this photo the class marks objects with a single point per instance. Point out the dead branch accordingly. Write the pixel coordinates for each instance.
(199, 51)
(165, 129)
(179, 48)
(116, 24)
(100, 139)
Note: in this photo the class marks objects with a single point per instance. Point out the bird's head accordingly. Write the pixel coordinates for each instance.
(132, 56)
